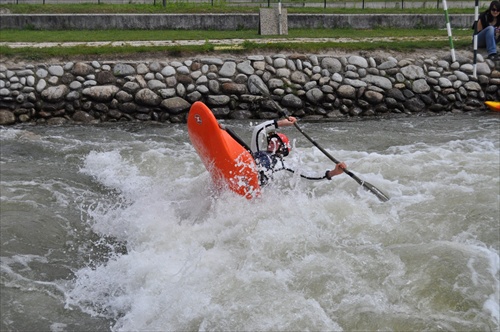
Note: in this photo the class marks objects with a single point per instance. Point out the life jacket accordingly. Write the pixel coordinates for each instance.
(266, 163)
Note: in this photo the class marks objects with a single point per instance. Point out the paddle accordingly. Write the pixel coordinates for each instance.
(374, 190)
(383, 197)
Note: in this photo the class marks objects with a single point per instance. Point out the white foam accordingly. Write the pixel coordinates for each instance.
(305, 256)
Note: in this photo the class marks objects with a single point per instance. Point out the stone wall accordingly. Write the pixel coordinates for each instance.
(310, 86)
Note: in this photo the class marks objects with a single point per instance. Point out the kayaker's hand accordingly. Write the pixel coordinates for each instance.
(339, 169)
(287, 122)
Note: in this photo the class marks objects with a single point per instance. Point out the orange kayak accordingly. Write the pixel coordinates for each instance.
(228, 162)
(493, 105)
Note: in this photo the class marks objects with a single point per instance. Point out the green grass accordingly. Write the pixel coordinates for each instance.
(110, 52)
(150, 35)
(68, 53)
(221, 7)
(362, 39)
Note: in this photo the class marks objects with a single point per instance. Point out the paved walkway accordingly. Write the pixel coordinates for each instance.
(219, 43)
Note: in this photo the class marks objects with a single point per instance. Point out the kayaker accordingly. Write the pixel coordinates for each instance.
(269, 147)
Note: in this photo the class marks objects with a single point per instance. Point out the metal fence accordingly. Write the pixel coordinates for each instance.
(375, 4)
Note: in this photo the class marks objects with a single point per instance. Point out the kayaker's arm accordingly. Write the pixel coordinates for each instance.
(339, 169)
(259, 135)
(260, 132)
(287, 122)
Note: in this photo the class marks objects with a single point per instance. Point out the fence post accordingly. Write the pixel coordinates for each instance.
(448, 29)
(476, 16)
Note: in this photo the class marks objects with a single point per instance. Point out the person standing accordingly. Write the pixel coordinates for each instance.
(488, 30)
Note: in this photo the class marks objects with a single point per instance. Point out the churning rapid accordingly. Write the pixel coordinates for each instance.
(117, 228)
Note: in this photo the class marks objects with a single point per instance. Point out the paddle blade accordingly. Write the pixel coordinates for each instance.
(370, 187)
(377, 192)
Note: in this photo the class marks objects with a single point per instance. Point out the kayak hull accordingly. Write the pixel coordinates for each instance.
(230, 165)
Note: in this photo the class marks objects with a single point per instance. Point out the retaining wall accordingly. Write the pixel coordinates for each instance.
(312, 87)
(225, 21)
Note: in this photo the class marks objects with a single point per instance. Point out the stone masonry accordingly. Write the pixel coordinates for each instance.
(314, 87)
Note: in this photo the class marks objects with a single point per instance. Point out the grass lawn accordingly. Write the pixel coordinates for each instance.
(383, 38)
(348, 39)
(178, 7)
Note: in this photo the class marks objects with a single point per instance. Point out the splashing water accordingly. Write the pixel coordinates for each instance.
(130, 235)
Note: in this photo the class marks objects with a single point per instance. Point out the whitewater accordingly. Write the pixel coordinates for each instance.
(117, 227)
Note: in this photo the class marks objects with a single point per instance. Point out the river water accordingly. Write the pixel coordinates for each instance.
(116, 227)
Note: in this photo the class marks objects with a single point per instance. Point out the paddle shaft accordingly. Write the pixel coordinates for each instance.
(374, 190)
(383, 197)
(326, 153)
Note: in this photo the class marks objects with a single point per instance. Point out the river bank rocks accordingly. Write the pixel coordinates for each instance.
(315, 87)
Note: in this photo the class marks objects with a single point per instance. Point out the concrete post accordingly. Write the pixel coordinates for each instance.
(273, 21)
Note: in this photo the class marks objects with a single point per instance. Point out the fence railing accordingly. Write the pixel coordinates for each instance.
(375, 4)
